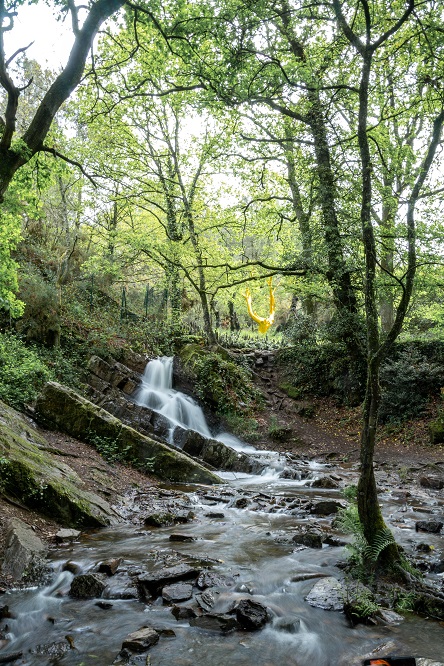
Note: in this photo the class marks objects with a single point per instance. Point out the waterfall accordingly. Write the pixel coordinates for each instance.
(156, 393)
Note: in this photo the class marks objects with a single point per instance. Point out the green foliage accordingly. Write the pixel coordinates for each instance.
(219, 382)
(245, 427)
(323, 369)
(23, 372)
(110, 448)
(41, 320)
(408, 381)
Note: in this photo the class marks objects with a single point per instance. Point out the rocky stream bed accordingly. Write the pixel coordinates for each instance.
(247, 571)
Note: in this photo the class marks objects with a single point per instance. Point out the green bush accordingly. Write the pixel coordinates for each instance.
(220, 383)
(408, 381)
(322, 370)
(23, 373)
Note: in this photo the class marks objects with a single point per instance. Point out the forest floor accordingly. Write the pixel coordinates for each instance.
(330, 433)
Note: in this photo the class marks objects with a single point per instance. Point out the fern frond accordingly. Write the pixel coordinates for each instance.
(383, 539)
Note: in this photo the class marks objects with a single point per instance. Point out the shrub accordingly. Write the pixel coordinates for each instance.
(323, 369)
(408, 381)
(23, 372)
(220, 383)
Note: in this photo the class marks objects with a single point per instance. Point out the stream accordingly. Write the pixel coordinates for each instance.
(243, 528)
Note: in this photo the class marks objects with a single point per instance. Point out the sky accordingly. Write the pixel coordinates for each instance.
(52, 39)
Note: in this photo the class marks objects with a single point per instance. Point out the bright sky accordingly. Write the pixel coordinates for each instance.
(52, 39)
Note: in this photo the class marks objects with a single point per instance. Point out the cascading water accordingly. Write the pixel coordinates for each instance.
(156, 392)
(246, 544)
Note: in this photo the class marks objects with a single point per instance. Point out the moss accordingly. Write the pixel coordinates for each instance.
(436, 431)
(292, 391)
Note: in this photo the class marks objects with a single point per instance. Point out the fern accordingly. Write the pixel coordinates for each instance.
(383, 539)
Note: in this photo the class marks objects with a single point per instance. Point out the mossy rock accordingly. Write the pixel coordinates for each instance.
(436, 431)
(61, 408)
(31, 476)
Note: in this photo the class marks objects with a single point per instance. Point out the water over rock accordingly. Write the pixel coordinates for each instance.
(61, 408)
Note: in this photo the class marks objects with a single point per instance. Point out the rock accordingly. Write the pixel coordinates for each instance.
(67, 535)
(149, 583)
(182, 537)
(218, 455)
(432, 526)
(25, 553)
(436, 431)
(141, 640)
(178, 592)
(10, 657)
(251, 615)
(215, 515)
(109, 567)
(87, 586)
(433, 482)
(183, 612)
(309, 539)
(159, 519)
(326, 507)
(72, 567)
(56, 650)
(324, 482)
(387, 616)
(61, 408)
(206, 600)
(241, 503)
(43, 483)
(210, 579)
(210, 622)
(424, 547)
(326, 594)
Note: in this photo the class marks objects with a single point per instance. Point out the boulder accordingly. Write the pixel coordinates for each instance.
(433, 482)
(177, 592)
(183, 612)
(327, 594)
(251, 615)
(42, 482)
(109, 567)
(310, 539)
(151, 582)
(141, 640)
(61, 408)
(87, 586)
(431, 526)
(67, 535)
(326, 507)
(324, 482)
(221, 623)
(24, 554)
(219, 455)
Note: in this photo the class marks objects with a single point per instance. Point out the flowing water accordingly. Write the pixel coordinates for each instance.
(245, 545)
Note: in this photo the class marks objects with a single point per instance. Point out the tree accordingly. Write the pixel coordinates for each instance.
(17, 151)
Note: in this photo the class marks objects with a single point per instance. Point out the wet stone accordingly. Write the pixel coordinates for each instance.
(159, 520)
(221, 623)
(309, 539)
(326, 594)
(67, 535)
(182, 537)
(215, 514)
(324, 482)
(87, 586)
(109, 567)
(433, 482)
(210, 579)
(326, 507)
(177, 592)
(150, 582)
(183, 612)
(141, 640)
(206, 600)
(431, 526)
(72, 567)
(251, 615)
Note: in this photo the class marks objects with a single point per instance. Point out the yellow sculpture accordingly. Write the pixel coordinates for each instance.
(263, 323)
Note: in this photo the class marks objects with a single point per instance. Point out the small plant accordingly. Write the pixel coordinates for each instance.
(109, 448)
